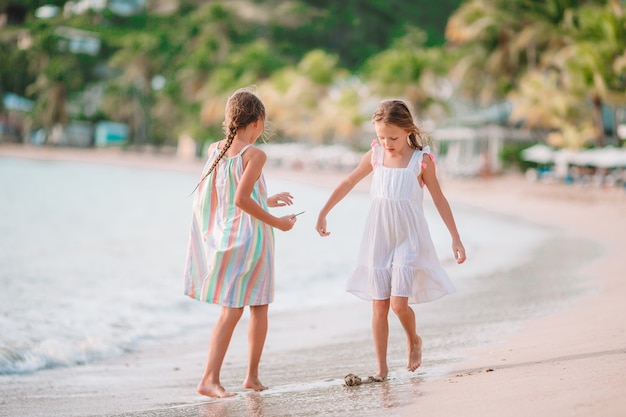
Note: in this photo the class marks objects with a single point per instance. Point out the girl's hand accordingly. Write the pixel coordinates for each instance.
(321, 226)
(459, 252)
(280, 200)
(286, 223)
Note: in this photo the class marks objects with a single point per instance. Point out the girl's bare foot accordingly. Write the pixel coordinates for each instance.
(415, 355)
(254, 384)
(214, 391)
(381, 375)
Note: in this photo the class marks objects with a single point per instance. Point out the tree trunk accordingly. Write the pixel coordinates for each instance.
(597, 112)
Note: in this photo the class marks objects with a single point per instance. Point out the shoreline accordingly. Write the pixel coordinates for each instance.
(570, 361)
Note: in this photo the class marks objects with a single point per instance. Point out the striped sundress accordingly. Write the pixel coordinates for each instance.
(230, 257)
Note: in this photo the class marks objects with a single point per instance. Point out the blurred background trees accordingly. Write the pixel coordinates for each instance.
(165, 67)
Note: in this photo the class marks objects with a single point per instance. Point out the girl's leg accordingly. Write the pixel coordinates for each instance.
(257, 331)
(400, 306)
(218, 345)
(380, 330)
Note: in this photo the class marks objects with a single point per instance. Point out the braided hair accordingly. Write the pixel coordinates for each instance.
(397, 113)
(242, 108)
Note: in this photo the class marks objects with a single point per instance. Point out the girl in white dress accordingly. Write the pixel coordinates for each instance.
(397, 262)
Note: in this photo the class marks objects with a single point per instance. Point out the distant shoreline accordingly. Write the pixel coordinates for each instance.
(155, 158)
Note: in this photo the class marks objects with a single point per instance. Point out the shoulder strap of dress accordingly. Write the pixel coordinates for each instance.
(244, 149)
(212, 147)
(377, 156)
(419, 159)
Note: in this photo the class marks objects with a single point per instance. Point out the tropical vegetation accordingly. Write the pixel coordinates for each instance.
(321, 65)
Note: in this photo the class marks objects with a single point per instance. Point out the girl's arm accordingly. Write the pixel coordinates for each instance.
(253, 165)
(344, 187)
(429, 178)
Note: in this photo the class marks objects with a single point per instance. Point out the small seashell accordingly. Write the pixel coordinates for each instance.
(352, 380)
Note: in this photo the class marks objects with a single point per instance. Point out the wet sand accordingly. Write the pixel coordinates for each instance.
(570, 361)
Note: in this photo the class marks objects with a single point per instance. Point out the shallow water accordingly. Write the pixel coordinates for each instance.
(91, 262)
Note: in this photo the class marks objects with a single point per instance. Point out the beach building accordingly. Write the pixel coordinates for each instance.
(475, 151)
(471, 141)
(470, 144)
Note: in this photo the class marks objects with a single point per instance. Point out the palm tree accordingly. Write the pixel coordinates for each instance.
(130, 95)
(57, 75)
(541, 103)
(593, 66)
(205, 37)
(499, 40)
(549, 56)
(483, 32)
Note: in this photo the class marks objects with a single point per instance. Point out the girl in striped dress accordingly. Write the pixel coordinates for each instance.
(397, 263)
(230, 259)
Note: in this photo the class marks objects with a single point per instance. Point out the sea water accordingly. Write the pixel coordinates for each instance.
(92, 257)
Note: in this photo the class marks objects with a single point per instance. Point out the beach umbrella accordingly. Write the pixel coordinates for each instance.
(583, 158)
(539, 153)
(610, 157)
(607, 157)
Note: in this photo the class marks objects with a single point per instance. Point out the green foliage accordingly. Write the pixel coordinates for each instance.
(355, 30)
(10, 79)
(401, 64)
(32, 4)
(510, 156)
(318, 66)
(305, 55)
(247, 65)
(213, 49)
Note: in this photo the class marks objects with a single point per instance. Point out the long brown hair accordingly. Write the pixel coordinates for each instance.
(396, 112)
(242, 108)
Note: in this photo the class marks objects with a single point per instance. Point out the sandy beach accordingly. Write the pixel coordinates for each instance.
(570, 363)
(567, 362)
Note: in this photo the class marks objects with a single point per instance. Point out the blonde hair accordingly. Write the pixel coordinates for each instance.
(396, 112)
(242, 108)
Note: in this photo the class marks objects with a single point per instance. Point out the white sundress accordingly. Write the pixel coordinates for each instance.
(397, 256)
